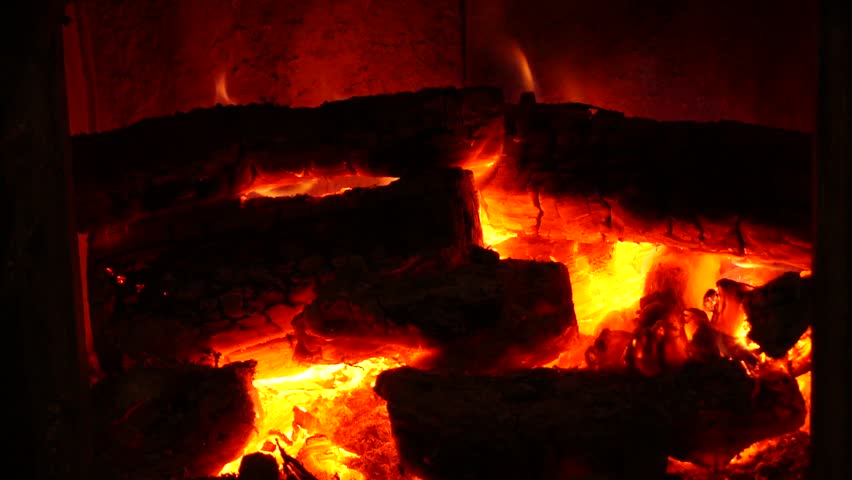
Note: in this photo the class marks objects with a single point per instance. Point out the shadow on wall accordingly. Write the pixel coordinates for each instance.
(699, 60)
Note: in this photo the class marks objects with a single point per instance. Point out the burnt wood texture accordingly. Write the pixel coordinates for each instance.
(215, 153)
(162, 286)
(550, 423)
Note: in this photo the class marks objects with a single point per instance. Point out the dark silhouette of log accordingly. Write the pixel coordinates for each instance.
(173, 422)
(164, 286)
(549, 423)
(216, 153)
(779, 313)
(480, 313)
(574, 171)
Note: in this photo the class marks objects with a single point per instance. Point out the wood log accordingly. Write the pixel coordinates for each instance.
(779, 313)
(216, 153)
(186, 421)
(548, 423)
(165, 285)
(480, 314)
(577, 172)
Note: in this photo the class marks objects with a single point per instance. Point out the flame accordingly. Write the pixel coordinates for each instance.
(222, 96)
(301, 183)
(523, 65)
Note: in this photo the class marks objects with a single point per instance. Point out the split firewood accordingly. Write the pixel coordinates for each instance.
(177, 422)
(481, 313)
(579, 172)
(215, 153)
(547, 423)
(225, 276)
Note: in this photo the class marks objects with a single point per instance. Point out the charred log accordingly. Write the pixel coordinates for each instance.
(543, 423)
(163, 286)
(216, 153)
(779, 313)
(171, 423)
(718, 187)
(482, 313)
(258, 466)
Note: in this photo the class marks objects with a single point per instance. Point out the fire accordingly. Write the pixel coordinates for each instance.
(222, 96)
(523, 66)
(321, 414)
(300, 412)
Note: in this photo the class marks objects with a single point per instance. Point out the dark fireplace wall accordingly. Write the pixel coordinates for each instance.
(132, 59)
(754, 60)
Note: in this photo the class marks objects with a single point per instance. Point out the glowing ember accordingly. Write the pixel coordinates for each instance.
(302, 184)
(300, 411)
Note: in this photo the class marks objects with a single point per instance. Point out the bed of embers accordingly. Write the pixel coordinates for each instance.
(440, 285)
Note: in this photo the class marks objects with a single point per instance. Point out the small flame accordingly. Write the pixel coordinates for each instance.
(523, 65)
(222, 96)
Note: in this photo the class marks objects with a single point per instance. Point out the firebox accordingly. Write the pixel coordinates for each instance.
(444, 240)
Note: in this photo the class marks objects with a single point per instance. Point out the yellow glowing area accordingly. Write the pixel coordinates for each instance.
(299, 411)
(614, 285)
(491, 235)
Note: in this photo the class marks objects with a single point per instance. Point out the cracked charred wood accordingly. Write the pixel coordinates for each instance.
(177, 422)
(578, 172)
(216, 153)
(480, 313)
(779, 313)
(183, 285)
(548, 423)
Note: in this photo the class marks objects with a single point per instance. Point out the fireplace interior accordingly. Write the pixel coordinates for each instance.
(444, 240)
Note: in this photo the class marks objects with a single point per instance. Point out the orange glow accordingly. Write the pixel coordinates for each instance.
(300, 183)
(222, 96)
(301, 410)
(301, 406)
(519, 58)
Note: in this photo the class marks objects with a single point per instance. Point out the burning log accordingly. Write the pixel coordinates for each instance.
(216, 153)
(482, 313)
(163, 286)
(581, 173)
(546, 423)
(779, 313)
(173, 423)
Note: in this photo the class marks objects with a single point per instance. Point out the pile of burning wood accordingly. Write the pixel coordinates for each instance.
(183, 268)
